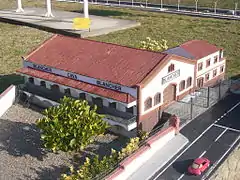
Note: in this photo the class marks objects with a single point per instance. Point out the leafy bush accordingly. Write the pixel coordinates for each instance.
(94, 167)
(143, 135)
(154, 45)
(72, 125)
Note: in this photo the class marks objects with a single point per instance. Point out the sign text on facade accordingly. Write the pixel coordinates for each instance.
(171, 76)
(78, 77)
(109, 85)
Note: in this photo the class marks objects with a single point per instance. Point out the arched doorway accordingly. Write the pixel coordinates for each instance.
(169, 94)
(55, 88)
(98, 101)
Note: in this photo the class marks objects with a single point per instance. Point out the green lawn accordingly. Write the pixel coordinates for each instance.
(17, 41)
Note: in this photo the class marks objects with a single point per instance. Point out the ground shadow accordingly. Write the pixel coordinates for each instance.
(50, 173)
(102, 148)
(182, 165)
(7, 80)
(20, 139)
(105, 13)
(235, 77)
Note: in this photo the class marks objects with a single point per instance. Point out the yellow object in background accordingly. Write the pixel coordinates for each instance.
(81, 23)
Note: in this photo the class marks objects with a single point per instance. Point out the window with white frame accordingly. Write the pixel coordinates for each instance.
(189, 82)
(207, 77)
(214, 72)
(208, 62)
(200, 66)
(148, 103)
(182, 85)
(171, 68)
(221, 69)
(215, 59)
(157, 98)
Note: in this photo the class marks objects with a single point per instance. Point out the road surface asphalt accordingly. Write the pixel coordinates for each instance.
(213, 134)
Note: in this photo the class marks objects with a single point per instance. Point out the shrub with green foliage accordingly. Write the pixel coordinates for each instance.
(70, 126)
(154, 45)
(94, 167)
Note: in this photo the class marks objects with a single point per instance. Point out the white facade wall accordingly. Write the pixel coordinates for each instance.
(155, 86)
(205, 70)
(7, 98)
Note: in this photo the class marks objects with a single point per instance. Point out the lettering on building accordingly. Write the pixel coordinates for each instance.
(72, 76)
(43, 68)
(109, 85)
(171, 76)
(78, 77)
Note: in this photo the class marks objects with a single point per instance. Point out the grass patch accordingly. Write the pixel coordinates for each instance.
(17, 41)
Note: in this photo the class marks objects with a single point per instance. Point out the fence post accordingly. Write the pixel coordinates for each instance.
(191, 108)
(208, 96)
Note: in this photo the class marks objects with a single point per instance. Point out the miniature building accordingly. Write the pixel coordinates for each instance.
(131, 86)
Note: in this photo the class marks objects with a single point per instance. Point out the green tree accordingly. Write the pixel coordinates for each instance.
(70, 126)
(154, 45)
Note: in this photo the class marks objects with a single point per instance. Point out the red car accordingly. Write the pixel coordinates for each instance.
(198, 166)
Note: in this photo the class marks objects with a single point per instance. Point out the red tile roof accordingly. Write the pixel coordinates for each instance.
(105, 61)
(199, 48)
(119, 96)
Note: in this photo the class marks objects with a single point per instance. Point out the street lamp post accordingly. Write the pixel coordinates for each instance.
(178, 5)
(19, 8)
(196, 4)
(161, 4)
(85, 8)
(49, 9)
(215, 7)
(235, 10)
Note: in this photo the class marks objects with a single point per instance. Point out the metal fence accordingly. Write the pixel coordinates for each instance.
(196, 103)
(179, 5)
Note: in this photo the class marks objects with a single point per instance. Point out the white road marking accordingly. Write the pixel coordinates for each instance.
(193, 143)
(202, 154)
(233, 107)
(183, 151)
(215, 164)
(225, 127)
(221, 134)
(181, 176)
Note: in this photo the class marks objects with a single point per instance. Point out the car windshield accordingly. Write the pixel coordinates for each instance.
(195, 166)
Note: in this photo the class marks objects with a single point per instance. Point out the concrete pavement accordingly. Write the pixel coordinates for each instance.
(160, 158)
(62, 23)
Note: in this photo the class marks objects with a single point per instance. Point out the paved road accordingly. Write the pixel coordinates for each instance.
(214, 135)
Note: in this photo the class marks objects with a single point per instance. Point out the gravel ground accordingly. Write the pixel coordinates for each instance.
(21, 155)
(230, 169)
